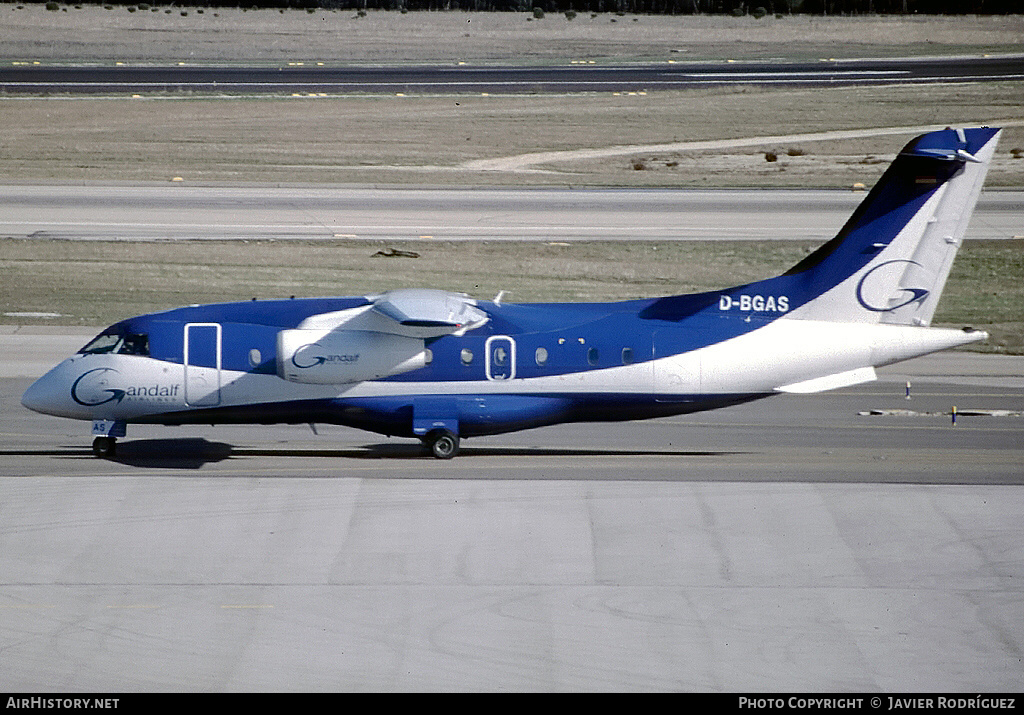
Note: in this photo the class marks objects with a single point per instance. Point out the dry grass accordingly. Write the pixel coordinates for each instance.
(426, 139)
(98, 282)
(90, 33)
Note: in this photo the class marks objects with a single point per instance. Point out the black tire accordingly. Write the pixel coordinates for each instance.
(104, 447)
(444, 444)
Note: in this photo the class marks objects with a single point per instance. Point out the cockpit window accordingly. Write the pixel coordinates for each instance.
(117, 343)
(101, 344)
(135, 344)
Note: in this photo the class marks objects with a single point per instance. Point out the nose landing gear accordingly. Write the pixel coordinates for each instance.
(104, 447)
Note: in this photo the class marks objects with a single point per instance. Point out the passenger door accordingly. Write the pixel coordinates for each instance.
(202, 361)
(501, 358)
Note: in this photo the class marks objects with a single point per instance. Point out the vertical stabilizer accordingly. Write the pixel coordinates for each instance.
(890, 261)
(931, 262)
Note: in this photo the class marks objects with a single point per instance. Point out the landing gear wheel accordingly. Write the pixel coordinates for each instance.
(443, 444)
(104, 447)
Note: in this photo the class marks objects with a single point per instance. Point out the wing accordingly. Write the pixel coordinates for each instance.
(413, 312)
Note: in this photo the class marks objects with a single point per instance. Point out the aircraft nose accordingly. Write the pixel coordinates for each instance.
(45, 395)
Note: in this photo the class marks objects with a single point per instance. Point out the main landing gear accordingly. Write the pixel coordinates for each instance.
(442, 443)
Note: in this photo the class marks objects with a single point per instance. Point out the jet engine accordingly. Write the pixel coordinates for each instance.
(327, 357)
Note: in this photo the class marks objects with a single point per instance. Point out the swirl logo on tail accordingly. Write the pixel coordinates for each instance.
(917, 295)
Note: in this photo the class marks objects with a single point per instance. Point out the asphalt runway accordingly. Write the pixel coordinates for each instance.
(504, 79)
(786, 545)
(200, 212)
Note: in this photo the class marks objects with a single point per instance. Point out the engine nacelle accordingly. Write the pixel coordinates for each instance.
(328, 357)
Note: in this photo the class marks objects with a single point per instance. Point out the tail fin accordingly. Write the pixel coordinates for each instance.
(889, 263)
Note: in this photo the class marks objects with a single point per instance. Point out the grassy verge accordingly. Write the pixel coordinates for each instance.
(83, 32)
(97, 283)
(428, 139)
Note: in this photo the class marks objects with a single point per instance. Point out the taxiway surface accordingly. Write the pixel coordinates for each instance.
(785, 545)
(198, 212)
(525, 79)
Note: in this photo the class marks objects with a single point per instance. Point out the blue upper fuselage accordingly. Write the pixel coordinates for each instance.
(550, 338)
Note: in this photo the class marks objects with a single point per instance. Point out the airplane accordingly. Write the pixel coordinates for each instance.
(441, 366)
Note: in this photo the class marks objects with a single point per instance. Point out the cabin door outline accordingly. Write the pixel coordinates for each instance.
(500, 353)
(202, 360)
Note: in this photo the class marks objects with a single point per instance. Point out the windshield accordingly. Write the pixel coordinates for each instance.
(118, 343)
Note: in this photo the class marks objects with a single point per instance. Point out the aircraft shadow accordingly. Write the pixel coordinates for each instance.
(415, 451)
(189, 453)
(195, 452)
(185, 453)
(192, 454)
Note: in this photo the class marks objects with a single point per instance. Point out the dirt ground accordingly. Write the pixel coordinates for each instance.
(430, 139)
(437, 140)
(227, 35)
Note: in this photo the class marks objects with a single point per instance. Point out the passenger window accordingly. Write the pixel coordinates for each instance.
(467, 356)
(593, 356)
(541, 356)
(627, 356)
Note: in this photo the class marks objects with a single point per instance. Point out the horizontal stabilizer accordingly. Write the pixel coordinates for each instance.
(831, 382)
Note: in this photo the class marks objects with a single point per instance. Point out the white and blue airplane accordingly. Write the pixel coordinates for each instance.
(441, 366)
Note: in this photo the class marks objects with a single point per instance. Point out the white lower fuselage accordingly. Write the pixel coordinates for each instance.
(785, 355)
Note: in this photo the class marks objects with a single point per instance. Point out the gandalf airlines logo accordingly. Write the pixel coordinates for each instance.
(94, 388)
(91, 388)
(303, 357)
(879, 286)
